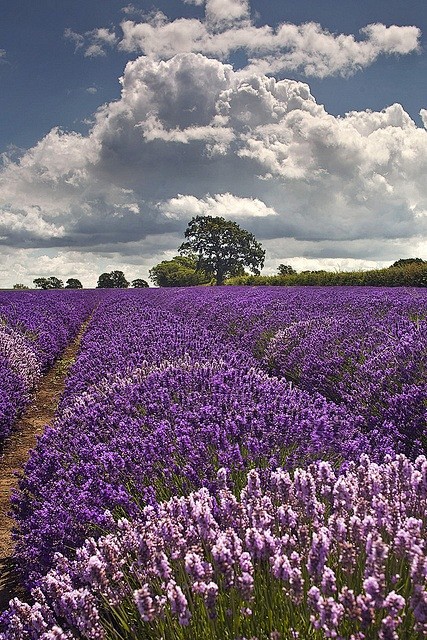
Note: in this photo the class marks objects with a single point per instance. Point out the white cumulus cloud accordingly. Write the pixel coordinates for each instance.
(221, 204)
(227, 27)
(226, 11)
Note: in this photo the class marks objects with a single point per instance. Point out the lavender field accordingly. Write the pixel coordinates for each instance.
(226, 463)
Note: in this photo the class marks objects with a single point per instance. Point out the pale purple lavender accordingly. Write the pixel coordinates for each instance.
(204, 544)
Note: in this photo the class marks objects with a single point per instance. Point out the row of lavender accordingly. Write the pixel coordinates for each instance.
(34, 329)
(171, 387)
(363, 349)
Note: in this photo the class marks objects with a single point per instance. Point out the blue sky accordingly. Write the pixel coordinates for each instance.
(93, 179)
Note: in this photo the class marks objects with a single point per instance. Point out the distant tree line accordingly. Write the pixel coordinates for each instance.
(406, 272)
(214, 250)
(112, 280)
(218, 251)
(117, 280)
(55, 283)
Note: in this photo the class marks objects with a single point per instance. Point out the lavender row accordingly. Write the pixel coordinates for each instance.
(132, 328)
(376, 367)
(309, 554)
(365, 349)
(34, 329)
(154, 405)
(249, 318)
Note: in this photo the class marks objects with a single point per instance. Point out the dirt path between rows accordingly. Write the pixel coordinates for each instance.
(15, 454)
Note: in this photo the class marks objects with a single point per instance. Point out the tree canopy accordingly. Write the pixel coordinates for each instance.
(112, 280)
(222, 248)
(48, 283)
(178, 272)
(138, 283)
(403, 262)
(73, 283)
(286, 270)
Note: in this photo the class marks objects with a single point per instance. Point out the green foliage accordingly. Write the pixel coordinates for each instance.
(73, 283)
(48, 283)
(262, 343)
(270, 615)
(20, 286)
(112, 280)
(410, 275)
(139, 283)
(222, 248)
(286, 270)
(316, 271)
(404, 262)
(181, 271)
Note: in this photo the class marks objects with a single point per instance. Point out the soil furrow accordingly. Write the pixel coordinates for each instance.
(15, 453)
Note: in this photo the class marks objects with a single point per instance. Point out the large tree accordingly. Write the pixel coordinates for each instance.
(178, 272)
(222, 248)
(48, 283)
(112, 280)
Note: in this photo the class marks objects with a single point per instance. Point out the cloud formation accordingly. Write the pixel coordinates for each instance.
(224, 205)
(307, 48)
(94, 43)
(191, 136)
(227, 28)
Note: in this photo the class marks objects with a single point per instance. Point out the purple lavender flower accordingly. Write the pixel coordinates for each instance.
(150, 607)
(178, 569)
(178, 602)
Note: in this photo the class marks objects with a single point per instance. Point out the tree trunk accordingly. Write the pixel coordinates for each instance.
(219, 278)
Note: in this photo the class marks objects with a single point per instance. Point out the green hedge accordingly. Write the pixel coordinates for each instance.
(413, 275)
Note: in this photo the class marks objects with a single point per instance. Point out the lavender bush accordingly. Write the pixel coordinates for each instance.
(309, 554)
